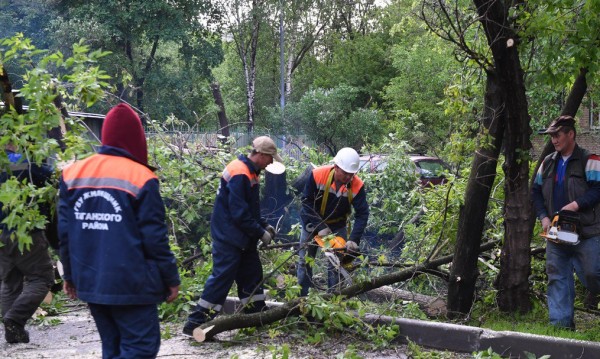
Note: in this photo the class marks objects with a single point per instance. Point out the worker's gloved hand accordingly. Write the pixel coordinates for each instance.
(324, 232)
(271, 231)
(351, 247)
(266, 238)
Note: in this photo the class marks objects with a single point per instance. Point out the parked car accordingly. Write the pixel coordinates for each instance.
(430, 169)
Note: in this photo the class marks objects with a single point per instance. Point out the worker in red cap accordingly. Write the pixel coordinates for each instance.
(113, 239)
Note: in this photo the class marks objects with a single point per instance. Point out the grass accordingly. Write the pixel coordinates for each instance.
(536, 322)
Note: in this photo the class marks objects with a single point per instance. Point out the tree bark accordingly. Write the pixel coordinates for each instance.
(58, 132)
(245, 27)
(292, 308)
(7, 94)
(464, 273)
(512, 282)
(223, 121)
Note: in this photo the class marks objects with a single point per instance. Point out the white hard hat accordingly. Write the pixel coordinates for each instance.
(347, 159)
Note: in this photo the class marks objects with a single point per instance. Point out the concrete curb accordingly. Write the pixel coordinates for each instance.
(470, 339)
(462, 338)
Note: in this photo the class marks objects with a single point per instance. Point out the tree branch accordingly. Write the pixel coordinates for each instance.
(293, 307)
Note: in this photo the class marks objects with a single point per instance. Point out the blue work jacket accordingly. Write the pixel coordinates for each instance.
(113, 236)
(236, 216)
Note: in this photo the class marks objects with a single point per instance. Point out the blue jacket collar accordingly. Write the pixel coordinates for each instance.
(249, 163)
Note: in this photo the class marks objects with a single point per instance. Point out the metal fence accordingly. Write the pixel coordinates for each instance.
(289, 146)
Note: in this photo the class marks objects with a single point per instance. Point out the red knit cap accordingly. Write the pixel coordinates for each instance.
(122, 128)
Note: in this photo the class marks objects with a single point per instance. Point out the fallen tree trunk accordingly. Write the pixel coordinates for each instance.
(293, 307)
(431, 306)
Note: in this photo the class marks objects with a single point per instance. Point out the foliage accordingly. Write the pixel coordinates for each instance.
(189, 173)
(330, 117)
(161, 50)
(415, 96)
(47, 312)
(282, 352)
(27, 17)
(230, 77)
(566, 44)
(489, 353)
(77, 79)
(566, 40)
(364, 62)
(417, 352)
(392, 194)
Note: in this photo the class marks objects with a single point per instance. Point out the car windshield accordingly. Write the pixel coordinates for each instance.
(431, 168)
(372, 163)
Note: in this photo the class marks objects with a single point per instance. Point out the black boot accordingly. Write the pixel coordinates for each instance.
(196, 319)
(591, 301)
(15, 332)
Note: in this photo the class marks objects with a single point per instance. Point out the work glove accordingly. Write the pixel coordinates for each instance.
(271, 231)
(350, 254)
(324, 232)
(351, 247)
(266, 238)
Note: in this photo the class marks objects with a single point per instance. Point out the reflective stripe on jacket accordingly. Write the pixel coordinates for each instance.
(113, 235)
(337, 207)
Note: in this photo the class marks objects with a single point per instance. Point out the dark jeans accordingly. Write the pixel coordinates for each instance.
(26, 277)
(561, 260)
(127, 331)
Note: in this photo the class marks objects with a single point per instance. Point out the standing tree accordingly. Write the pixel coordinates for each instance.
(503, 23)
(141, 34)
(513, 284)
(243, 20)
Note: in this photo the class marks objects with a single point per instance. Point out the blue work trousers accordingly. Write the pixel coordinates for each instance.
(231, 264)
(304, 271)
(561, 260)
(127, 331)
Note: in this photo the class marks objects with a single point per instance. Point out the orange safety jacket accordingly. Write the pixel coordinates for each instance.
(324, 204)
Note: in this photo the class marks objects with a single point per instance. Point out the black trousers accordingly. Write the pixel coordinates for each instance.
(26, 277)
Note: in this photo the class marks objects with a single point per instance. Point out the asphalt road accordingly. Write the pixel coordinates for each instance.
(76, 337)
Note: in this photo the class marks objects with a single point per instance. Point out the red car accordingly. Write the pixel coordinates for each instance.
(430, 169)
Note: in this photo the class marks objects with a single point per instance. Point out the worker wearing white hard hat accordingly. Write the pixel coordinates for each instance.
(330, 194)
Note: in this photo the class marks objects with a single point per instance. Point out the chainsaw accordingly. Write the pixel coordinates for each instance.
(334, 249)
(563, 229)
